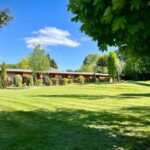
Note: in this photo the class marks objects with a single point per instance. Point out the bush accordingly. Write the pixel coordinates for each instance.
(26, 76)
(39, 82)
(55, 81)
(88, 80)
(31, 82)
(80, 79)
(1, 84)
(48, 81)
(65, 81)
(17, 80)
(24, 84)
(70, 81)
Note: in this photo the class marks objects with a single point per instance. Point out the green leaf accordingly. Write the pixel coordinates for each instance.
(136, 4)
(107, 17)
(118, 4)
(136, 27)
(119, 23)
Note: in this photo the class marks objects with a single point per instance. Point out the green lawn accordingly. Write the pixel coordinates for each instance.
(76, 117)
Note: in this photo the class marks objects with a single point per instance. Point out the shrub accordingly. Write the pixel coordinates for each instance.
(26, 76)
(3, 76)
(55, 81)
(70, 81)
(0, 83)
(88, 80)
(65, 81)
(39, 82)
(31, 82)
(80, 79)
(24, 84)
(18, 80)
(48, 81)
(34, 79)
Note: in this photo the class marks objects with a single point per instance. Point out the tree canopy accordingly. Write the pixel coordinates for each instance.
(112, 65)
(89, 63)
(53, 64)
(38, 60)
(3, 76)
(121, 23)
(24, 63)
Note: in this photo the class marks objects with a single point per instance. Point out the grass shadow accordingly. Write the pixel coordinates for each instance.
(139, 83)
(77, 96)
(134, 95)
(124, 96)
(70, 130)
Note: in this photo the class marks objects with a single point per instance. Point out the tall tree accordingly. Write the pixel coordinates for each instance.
(38, 60)
(3, 76)
(112, 66)
(137, 68)
(24, 63)
(102, 64)
(89, 63)
(91, 59)
(122, 23)
(4, 17)
(53, 64)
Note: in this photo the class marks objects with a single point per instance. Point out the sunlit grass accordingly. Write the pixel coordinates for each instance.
(76, 117)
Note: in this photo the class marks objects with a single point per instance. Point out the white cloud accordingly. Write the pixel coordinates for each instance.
(50, 36)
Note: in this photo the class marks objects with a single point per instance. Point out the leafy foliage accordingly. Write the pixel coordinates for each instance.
(80, 79)
(39, 82)
(48, 81)
(89, 63)
(31, 82)
(53, 64)
(38, 60)
(4, 17)
(121, 23)
(112, 65)
(136, 68)
(17, 80)
(24, 63)
(3, 76)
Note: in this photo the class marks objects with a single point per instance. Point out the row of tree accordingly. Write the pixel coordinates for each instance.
(118, 65)
(30, 62)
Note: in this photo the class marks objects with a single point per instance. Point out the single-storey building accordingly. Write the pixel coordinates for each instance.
(12, 72)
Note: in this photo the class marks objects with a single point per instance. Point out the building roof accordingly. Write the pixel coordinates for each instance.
(54, 72)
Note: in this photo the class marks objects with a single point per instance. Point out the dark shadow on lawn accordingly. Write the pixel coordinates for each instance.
(134, 95)
(145, 110)
(95, 97)
(70, 130)
(76, 96)
(140, 83)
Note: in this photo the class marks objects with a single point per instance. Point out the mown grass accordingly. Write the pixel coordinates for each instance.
(76, 117)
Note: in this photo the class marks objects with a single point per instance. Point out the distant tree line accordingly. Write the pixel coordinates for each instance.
(118, 65)
(26, 63)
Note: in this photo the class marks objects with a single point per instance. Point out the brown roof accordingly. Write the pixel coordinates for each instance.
(55, 72)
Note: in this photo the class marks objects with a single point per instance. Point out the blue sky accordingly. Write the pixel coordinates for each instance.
(46, 22)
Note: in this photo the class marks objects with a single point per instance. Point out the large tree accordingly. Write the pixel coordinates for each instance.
(53, 64)
(102, 64)
(89, 63)
(121, 23)
(24, 63)
(38, 60)
(112, 66)
(4, 17)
